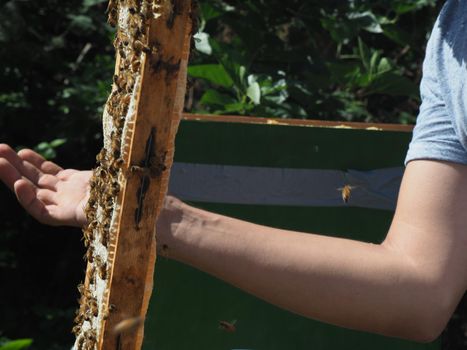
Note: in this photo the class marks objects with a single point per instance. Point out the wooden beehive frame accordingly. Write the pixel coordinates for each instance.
(129, 184)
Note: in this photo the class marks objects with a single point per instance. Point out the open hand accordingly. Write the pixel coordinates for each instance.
(52, 195)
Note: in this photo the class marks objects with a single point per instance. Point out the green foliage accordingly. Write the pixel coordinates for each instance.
(15, 344)
(351, 60)
(47, 149)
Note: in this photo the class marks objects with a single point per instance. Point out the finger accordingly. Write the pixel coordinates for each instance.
(46, 196)
(38, 161)
(26, 169)
(8, 173)
(26, 194)
(48, 182)
(65, 174)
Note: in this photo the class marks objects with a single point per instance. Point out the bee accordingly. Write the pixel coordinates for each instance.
(126, 99)
(91, 335)
(346, 191)
(102, 268)
(228, 326)
(115, 189)
(86, 235)
(102, 173)
(80, 343)
(118, 163)
(92, 183)
(112, 19)
(81, 289)
(115, 145)
(94, 307)
(135, 65)
(105, 315)
(138, 46)
(101, 156)
(106, 224)
(119, 84)
(89, 255)
(103, 272)
(165, 250)
(76, 329)
(128, 325)
(91, 275)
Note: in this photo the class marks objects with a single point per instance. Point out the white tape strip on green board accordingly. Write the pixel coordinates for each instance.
(376, 189)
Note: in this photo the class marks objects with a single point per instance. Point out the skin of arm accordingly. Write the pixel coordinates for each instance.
(406, 287)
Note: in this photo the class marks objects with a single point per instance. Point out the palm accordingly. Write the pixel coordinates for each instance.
(50, 194)
(71, 196)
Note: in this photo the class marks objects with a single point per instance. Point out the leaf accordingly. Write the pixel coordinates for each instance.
(253, 91)
(16, 344)
(364, 53)
(81, 23)
(208, 11)
(90, 3)
(392, 84)
(57, 143)
(366, 20)
(47, 149)
(215, 73)
(202, 43)
(215, 98)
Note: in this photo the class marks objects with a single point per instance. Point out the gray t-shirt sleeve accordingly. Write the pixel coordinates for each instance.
(441, 129)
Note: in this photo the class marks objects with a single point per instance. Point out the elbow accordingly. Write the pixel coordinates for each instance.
(427, 331)
(428, 317)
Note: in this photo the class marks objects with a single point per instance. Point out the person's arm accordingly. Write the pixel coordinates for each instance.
(406, 287)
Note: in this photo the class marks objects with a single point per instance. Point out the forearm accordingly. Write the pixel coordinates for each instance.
(343, 282)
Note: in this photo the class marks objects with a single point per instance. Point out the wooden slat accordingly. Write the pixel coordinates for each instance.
(299, 122)
(159, 110)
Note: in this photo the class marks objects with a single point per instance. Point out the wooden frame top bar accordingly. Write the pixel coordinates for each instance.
(299, 122)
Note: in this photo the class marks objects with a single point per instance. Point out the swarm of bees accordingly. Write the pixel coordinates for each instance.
(131, 18)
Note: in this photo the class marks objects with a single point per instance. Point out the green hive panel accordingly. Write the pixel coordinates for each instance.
(187, 305)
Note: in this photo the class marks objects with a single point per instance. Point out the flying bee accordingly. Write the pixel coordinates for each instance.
(128, 325)
(165, 251)
(346, 191)
(228, 326)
